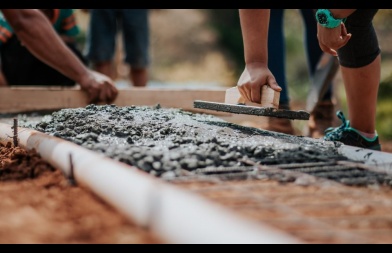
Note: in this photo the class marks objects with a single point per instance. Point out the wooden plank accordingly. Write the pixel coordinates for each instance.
(25, 99)
(269, 97)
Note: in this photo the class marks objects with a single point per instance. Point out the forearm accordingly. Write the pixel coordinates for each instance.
(254, 27)
(342, 13)
(38, 35)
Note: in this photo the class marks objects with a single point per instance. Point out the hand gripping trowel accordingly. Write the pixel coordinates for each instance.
(268, 106)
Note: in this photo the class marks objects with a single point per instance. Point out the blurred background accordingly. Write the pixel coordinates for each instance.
(203, 47)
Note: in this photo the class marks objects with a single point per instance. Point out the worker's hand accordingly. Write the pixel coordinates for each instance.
(331, 39)
(256, 75)
(99, 87)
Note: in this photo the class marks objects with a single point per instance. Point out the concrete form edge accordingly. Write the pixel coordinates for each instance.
(382, 161)
(174, 214)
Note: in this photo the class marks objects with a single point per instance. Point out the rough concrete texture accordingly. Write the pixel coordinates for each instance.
(252, 110)
(171, 142)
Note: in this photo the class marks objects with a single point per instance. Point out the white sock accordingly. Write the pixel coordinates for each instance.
(368, 135)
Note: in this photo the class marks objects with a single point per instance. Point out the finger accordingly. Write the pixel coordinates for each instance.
(346, 39)
(244, 92)
(114, 93)
(343, 29)
(327, 50)
(273, 84)
(91, 96)
(248, 92)
(255, 94)
(241, 89)
(103, 95)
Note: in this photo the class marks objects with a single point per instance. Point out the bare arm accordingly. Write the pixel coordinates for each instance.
(342, 13)
(38, 35)
(254, 26)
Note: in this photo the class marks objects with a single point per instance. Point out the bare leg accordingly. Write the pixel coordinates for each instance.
(139, 77)
(361, 86)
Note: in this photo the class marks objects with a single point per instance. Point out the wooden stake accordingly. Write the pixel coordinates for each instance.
(15, 137)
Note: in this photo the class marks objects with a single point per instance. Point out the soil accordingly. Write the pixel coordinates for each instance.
(39, 205)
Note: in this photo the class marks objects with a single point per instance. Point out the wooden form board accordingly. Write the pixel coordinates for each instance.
(30, 99)
(14, 100)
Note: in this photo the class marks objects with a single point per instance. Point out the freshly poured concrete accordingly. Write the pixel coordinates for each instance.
(171, 142)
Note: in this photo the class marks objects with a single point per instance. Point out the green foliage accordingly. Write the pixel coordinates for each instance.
(226, 22)
(384, 109)
(385, 89)
(384, 119)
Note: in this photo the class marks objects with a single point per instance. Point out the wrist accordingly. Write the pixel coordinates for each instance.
(326, 19)
(85, 79)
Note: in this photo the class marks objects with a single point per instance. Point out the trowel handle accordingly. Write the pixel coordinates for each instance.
(269, 97)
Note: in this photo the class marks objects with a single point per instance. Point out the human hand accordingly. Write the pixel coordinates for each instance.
(254, 76)
(331, 39)
(99, 87)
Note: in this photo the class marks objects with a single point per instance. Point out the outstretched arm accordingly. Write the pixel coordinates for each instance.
(254, 27)
(38, 35)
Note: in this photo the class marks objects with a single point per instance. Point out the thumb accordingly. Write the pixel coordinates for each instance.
(273, 84)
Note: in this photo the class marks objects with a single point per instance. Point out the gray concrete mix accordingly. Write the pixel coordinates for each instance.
(171, 142)
(176, 145)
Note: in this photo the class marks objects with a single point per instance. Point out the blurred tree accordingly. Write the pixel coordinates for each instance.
(227, 24)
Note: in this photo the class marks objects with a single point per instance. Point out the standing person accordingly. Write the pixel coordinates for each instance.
(359, 57)
(20, 67)
(101, 41)
(322, 116)
(350, 35)
(37, 34)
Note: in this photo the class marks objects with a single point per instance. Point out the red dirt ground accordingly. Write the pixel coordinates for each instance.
(42, 207)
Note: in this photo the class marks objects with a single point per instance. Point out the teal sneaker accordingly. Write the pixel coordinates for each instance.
(350, 136)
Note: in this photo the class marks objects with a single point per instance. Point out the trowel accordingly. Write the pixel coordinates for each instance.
(268, 106)
(326, 70)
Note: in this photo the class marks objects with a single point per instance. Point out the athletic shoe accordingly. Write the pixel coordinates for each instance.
(350, 136)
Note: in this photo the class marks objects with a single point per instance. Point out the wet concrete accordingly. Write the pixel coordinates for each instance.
(171, 142)
(178, 145)
(252, 110)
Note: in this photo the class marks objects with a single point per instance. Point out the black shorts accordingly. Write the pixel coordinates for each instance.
(20, 67)
(363, 47)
